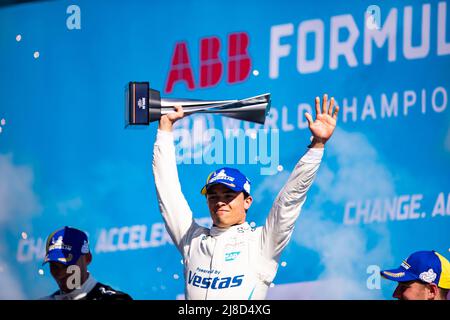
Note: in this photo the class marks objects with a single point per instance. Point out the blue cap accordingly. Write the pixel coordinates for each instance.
(230, 178)
(426, 266)
(66, 245)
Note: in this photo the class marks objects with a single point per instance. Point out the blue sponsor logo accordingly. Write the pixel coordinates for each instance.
(214, 283)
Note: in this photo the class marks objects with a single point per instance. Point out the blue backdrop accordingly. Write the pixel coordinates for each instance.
(383, 189)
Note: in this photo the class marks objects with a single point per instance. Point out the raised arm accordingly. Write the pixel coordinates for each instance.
(174, 208)
(286, 208)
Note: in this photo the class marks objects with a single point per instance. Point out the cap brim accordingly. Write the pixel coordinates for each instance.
(226, 184)
(61, 256)
(399, 275)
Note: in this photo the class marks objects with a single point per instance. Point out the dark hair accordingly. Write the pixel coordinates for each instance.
(443, 292)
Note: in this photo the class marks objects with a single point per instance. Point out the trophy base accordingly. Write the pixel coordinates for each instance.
(136, 103)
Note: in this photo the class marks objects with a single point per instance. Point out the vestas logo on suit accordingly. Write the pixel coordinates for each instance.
(214, 283)
(238, 62)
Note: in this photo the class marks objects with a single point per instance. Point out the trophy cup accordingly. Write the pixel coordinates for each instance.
(144, 105)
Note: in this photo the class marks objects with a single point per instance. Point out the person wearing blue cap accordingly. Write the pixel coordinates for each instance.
(424, 275)
(68, 254)
(232, 260)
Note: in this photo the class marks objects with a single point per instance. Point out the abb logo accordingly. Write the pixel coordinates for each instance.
(211, 67)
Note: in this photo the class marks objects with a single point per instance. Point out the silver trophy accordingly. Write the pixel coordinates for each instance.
(144, 105)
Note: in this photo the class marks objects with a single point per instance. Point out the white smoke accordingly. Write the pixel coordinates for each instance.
(12, 288)
(17, 199)
(65, 207)
(343, 250)
(269, 186)
(350, 170)
(18, 204)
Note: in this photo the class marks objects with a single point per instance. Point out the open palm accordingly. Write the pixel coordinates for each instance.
(326, 116)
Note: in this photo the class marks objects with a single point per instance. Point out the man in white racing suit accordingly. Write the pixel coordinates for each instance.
(232, 260)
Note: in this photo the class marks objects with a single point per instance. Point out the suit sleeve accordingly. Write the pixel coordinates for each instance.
(286, 208)
(173, 206)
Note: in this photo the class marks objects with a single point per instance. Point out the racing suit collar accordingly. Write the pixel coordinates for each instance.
(80, 293)
(238, 228)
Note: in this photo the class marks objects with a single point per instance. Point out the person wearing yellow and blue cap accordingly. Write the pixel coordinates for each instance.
(68, 254)
(232, 260)
(424, 275)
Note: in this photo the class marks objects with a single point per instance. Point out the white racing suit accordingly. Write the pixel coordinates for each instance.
(240, 262)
